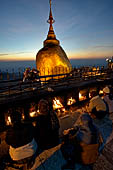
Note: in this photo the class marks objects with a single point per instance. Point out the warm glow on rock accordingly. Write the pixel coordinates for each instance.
(52, 61)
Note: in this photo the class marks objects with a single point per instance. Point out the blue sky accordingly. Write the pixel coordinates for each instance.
(84, 27)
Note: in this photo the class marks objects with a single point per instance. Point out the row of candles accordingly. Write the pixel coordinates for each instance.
(57, 105)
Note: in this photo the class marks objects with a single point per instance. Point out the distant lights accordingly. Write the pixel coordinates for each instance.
(108, 60)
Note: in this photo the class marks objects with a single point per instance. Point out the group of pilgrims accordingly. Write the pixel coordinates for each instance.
(79, 144)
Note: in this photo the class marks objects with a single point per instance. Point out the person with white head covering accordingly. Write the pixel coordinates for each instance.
(106, 90)
(97, 107)
(107, 98)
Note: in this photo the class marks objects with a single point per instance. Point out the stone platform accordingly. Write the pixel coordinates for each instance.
(52, 159)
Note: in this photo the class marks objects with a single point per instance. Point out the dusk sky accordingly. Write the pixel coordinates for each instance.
(84, 27)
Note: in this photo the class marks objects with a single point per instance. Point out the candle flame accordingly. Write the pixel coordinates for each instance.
(89, 95)
(71, 101)
(81, 97)
(101, 92)
(8, 122)
(57, 104)
(32, 114)
(23, 116)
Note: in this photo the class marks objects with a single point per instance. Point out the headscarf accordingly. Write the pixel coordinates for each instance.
(106, 90)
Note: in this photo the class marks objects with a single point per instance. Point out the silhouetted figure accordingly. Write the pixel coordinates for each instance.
(31, 75)
(47, 126)
(20, 138)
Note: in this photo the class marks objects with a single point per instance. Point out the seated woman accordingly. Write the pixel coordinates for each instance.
(21, 140)
(84, 142)
(47, 126)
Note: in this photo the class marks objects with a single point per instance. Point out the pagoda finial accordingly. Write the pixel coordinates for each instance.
(51, 38)
(50, 20)
(50, 3)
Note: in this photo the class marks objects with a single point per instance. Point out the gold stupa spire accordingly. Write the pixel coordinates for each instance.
(52, 59)
(51, 37)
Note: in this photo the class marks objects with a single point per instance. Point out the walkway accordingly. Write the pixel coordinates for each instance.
(52, 159)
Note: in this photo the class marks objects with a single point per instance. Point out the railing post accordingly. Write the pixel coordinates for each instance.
(63, 70)
(59, 70)
(13, 74)
(66, 71)
(1, 75)
(19, 73)
(20, 87)
(44, 74)
(39, 72)
(8, 75)
(44, 71)
(48, 70)
(55, 71)
(52, 73)
(9, 90)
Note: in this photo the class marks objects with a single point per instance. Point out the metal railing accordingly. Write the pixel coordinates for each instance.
(11, 75)
(17, 86)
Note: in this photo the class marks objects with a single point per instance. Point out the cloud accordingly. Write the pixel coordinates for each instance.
(103, 46)
(4, 54)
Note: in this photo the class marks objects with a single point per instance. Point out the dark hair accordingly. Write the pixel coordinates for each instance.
(43, 101)
(99, 114)
(16, 117)
(93, 93)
